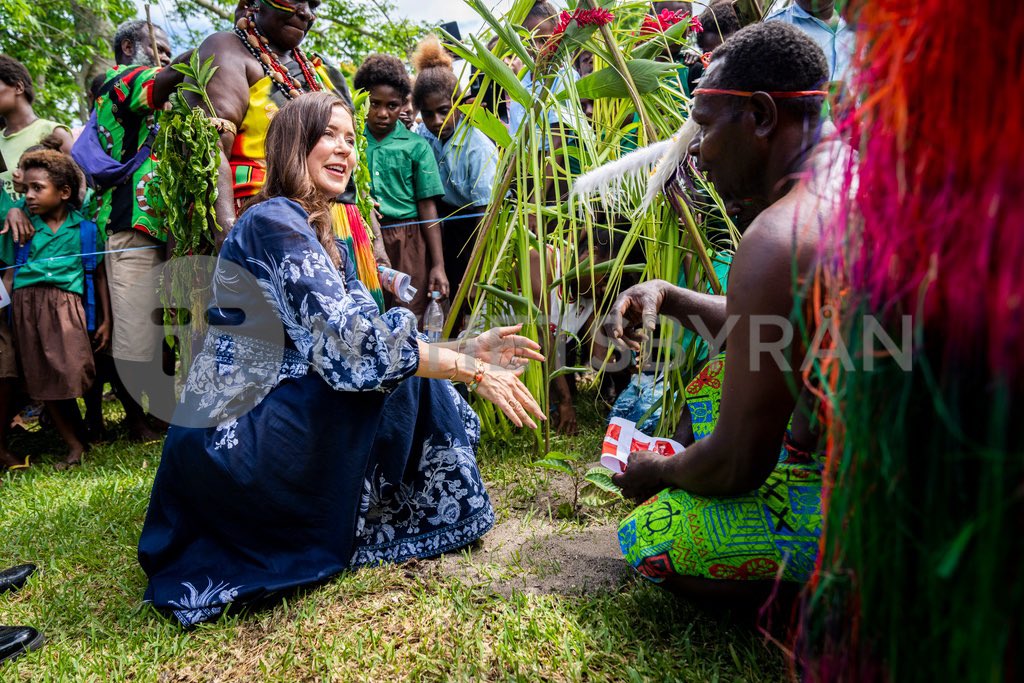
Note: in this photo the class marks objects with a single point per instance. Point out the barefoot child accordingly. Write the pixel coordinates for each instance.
(404, 180)
(50, 318)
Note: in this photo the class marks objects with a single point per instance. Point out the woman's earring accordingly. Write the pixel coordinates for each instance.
(245, 21)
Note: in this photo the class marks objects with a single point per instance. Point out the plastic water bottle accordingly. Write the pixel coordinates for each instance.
(433, 320)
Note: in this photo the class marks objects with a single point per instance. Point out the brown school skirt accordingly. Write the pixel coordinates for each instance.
(53, 343)
(407, 251)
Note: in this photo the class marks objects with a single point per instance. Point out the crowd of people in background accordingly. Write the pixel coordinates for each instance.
(75, 245)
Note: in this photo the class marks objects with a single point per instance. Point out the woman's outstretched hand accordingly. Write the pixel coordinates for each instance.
(504, 346)
(504, 389)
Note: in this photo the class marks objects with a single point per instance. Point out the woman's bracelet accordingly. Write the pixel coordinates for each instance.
(477, 377)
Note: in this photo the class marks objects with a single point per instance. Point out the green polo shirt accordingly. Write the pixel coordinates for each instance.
(5, 204)
(403, 171)
(55, 258)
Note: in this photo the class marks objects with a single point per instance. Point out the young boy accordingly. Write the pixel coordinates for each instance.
(404, 179)
(408, 114)
(719, 21)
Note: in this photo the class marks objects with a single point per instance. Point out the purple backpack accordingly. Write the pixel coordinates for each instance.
(101, 170)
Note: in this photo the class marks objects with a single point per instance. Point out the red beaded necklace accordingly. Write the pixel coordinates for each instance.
(257, 43)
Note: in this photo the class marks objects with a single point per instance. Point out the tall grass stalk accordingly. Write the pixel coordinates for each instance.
(524, 222)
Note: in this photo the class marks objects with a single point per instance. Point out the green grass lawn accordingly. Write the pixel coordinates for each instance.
(495, 613)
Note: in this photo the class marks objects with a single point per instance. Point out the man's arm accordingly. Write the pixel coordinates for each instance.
(167, 80)
(380, 254)
(705, 314)
(634, 315)
(757, 400)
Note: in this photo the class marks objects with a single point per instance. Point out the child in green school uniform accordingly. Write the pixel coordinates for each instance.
(50, 321)
(8, 361)
(404, 179)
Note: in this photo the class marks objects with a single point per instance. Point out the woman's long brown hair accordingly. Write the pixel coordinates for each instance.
(293, 132)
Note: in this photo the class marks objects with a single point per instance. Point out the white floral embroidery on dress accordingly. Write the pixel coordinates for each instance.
(340, 332)
(195, 605)
(445, 508)
(227, 439)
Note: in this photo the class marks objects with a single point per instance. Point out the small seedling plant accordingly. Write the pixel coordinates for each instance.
(590, 487)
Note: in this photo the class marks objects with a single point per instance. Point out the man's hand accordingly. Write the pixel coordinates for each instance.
(438, 281)
(380, 254)
(634, 315)
(19, 226)
(643, 476)
(101, 337)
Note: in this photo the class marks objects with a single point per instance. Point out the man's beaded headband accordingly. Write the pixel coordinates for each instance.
(778, 94)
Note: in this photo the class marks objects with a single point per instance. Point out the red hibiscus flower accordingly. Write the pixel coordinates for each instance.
(666, 20)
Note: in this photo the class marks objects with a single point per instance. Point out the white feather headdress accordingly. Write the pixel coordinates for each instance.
(649, 169)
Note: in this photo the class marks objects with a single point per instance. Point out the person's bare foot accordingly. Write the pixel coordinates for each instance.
(74, 458)
(9, 461)
(143, 433)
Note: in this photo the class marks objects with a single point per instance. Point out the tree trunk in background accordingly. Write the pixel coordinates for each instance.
(91, 23)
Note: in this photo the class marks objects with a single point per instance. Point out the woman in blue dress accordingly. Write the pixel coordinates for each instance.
(344, 446)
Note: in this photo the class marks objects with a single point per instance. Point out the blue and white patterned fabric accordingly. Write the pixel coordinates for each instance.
(346, 460)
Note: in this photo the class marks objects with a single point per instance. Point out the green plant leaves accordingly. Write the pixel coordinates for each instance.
(509, 297)
(487, 123)
(674, 35)
(506, 34)
(608, 82)
(951, 558)
(602, 478)
(599, 489)
(556, 460)
(364, 192)
(568, 371)
(492, 67)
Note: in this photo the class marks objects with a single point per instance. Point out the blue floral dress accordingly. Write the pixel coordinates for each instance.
(342, 459)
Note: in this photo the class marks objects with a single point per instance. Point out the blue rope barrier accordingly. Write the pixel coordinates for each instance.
(89, 253)
(406, 224)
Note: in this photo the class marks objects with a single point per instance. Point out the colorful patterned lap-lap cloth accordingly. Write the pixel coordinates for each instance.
(746, 537)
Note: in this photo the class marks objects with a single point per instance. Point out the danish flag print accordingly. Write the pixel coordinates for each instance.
(622, 438)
